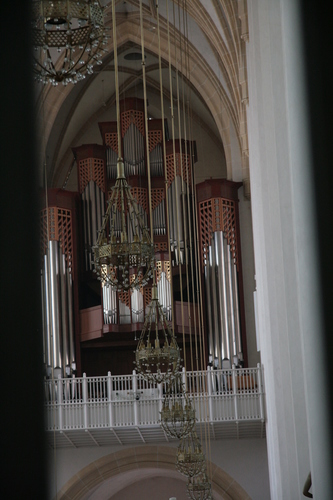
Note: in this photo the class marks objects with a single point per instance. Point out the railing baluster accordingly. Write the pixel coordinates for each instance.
(160, 399)
(135, 389)
(85, 401)
(109, 397)
(234, 391)
(261, 395)
(60, 401)
(209, 389)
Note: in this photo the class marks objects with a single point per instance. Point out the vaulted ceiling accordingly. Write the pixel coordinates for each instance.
(203, 53)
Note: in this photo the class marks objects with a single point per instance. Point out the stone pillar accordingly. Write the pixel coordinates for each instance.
(285, 252)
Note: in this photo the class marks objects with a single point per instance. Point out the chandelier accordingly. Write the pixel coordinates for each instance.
(157, 356)
(68, 38)
(177, 414)
(125, 259)
(199, 488)
(190, 459)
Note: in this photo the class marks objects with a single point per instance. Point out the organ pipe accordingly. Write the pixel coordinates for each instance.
(236, 312)
(57, 303)
(124, 313)
(229, 312)
(159, 222)
(134, 158)
(176, 219)
(46, 314)
(217, 308)
(71, 320)
(222, 293)
(109, 304)
(164, 295)
(137, 306)
(156, 161)
(111, 163)
(222, 300)
(64, 314)
(211, 342)
(54, 293)
(231, 315)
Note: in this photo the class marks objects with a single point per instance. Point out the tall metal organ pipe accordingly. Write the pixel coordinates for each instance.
(72, 358)
(176, 219)
(46, 314)
(222, 301)
(231, 313)
(57, 303)
(239, 352)
(64, 314)
(223, 289)
(54, 294)
(211, 349)
(218, 324)
(134, 155)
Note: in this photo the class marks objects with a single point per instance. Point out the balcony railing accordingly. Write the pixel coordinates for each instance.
(231, 401)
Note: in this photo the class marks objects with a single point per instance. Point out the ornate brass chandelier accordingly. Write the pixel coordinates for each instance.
(177, 414)
(124, 259)
(68, 37)
(190, 459)
(199, 487)
(157, 356)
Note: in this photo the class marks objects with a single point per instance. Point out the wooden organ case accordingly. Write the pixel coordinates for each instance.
(221, 268)
(91, 328)
(59, 277)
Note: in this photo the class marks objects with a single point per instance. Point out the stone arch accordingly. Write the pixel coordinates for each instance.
(146, 458)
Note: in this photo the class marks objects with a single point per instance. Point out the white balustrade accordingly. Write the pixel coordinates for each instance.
(130, 401)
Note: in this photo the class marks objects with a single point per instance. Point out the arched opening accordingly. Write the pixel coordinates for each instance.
(139, 470)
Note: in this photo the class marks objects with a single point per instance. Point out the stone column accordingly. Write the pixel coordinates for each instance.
(285, 252)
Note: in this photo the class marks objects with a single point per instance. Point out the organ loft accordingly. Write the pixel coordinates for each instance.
(91, 326)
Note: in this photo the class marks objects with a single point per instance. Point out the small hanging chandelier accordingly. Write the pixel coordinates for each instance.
(68, 38)
(125, 259)
(177, 414)
(190, 459)
(199, 487)
(157, 356)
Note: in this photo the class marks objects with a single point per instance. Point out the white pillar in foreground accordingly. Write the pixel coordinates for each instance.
(285, 253)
